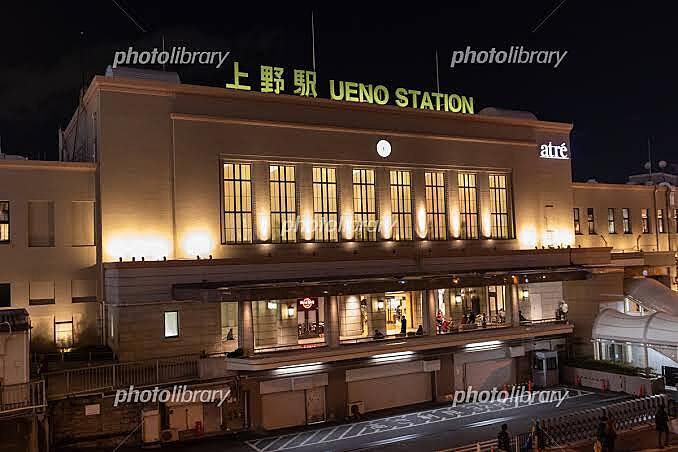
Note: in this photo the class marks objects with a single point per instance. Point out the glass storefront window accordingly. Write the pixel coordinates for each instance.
(229, 325)
(288, 324)
(369, 316)
(465, 308)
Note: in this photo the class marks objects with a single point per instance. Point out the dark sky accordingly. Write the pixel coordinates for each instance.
(617, 83)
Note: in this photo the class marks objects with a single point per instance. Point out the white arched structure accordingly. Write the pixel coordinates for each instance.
(658, 329)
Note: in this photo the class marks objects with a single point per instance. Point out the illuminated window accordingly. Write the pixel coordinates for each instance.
(364, 205)
(283, 204)
(645, 220)
(237, 203)
(172, 324)
(325, 204)
(577, 223)
(590, 219)
(468, 205)
(611, 225)
(626, 220)
(675, 220)
(435, 206)
(229, 321)
(401, 205)
(500, 216)
(63, 334)
(4, 221)
(660, 221)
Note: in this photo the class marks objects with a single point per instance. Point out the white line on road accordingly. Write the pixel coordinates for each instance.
(367, 424)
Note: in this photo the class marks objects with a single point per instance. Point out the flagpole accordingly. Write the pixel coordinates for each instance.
(313, 39)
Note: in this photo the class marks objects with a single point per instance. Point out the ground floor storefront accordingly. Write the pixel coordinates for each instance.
(314, 393)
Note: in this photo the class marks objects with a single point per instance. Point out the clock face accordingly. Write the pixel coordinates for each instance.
(383, 148)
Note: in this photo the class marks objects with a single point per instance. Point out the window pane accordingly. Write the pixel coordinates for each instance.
(283, 204)
(468, 205)
(237, 202)
(171, 324)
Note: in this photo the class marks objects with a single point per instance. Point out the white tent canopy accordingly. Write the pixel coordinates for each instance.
(654, 329)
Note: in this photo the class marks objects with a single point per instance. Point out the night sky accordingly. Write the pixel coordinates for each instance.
(616, 84)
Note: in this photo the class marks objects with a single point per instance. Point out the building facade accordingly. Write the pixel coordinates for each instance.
(342, 255)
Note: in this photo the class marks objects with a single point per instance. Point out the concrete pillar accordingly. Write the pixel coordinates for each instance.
(245, 328)
(513, 315)
(429, 312)
(332, 321)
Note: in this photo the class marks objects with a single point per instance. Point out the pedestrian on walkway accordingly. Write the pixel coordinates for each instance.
(601, 432)
(661, 420)
(610, 436)
(504, 439)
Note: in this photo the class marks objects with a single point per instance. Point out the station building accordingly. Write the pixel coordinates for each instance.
(317, 255)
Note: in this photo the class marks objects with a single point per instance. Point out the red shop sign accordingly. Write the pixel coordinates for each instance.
(307, 304)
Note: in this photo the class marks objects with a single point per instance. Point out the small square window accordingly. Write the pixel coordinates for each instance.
(172, 324)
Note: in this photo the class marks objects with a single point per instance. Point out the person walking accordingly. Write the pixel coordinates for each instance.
(610, 436)
(403, 325)
(661, 420)
(504, 439)
(601, 432)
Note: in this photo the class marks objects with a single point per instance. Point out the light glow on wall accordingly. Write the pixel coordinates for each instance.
(134, 245)
(263, 225)
(487, 224)
(348, 225)
(421, 222)
(527, 237)
(308, 227)
(197, 243)
(386, 227)
(455, 222)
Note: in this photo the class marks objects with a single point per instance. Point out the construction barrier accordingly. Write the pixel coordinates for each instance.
(581, 425)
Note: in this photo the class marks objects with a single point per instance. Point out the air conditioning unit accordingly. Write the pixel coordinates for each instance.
(359, 404)
(169, 435)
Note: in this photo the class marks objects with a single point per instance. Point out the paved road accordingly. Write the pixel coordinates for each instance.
(422, 430)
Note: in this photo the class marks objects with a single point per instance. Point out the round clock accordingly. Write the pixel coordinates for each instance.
(383, 148)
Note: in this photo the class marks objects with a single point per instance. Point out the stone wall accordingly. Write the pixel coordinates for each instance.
(72, 427)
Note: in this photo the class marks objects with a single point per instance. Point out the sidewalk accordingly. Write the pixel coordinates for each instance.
(633, 441)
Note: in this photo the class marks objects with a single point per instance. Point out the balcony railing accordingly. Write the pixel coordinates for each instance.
(24, 396)
(109, 377)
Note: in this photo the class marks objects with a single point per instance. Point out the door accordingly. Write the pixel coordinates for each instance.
(315, 405)
(390, 392)
(185, 417)
(283, 409)
(151, 426)
(489, 374)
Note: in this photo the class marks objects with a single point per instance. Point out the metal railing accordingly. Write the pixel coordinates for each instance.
(579, 426)
(23, 396)
(108, 377)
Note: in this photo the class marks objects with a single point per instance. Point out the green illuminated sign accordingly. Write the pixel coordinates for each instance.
(271, 80)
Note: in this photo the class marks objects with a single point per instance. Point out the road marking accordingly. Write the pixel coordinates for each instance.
(403, 421)
(289, 441)
(309, 438)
